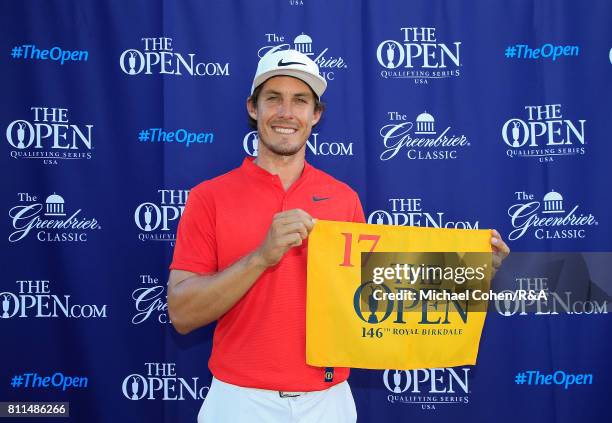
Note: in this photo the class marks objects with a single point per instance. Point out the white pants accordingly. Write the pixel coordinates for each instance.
(227, 403)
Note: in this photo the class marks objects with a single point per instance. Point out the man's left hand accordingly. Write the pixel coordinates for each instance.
(500, 250)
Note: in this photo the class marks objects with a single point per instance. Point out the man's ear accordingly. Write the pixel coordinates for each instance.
(316, 117)
(251, 108)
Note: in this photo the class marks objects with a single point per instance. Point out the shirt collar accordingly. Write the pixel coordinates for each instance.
(251, 169)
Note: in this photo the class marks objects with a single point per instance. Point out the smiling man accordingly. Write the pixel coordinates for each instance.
(240, 258)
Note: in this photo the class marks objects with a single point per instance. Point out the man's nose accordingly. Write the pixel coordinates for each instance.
(285, 109)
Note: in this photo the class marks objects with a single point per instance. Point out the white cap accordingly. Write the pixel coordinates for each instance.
(289, 63)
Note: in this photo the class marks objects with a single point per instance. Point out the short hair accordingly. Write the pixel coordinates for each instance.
(319, 105)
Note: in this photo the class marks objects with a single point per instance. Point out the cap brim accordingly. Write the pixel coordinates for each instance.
(318, 85)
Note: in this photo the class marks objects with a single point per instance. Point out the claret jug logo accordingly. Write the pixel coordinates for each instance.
(158, 221)
(419, 140)
(49, 221)
(314, 146)
(564, 302)
(35, 299)
(544, 135)
(550, 218)
(410, 212)
(329, 65)
(49, 136)
(161, 382)
(158, 57)
(428, 388)
(419, 56)
(398, 305)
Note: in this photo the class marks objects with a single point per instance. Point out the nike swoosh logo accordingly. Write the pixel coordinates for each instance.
(315, 198)
(281, 63)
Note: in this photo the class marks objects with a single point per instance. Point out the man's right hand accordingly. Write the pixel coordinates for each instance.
(288, 229)
(196, 300)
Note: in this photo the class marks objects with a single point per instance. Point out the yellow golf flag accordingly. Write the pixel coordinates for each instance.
(395, 297)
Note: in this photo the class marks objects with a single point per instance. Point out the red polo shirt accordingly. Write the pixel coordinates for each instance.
(261, 341)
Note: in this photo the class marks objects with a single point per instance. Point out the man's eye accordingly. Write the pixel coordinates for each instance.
(301, 100)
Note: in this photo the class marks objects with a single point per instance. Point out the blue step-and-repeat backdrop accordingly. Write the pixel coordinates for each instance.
(481, 114)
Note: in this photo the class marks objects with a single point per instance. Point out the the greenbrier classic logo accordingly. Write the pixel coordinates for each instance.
(551, 218)
(49, 221)
(420, 138)
(330, 65)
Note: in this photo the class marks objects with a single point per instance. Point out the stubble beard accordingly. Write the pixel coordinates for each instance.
(284, 149)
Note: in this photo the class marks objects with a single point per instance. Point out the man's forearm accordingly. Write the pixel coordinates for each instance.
(198, 300)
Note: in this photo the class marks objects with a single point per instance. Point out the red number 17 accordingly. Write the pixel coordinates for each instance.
(348, 243)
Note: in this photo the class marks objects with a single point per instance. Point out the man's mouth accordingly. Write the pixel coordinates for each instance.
(284, 131)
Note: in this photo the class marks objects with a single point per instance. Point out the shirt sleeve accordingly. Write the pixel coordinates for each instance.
(196, 245)
(358, 216)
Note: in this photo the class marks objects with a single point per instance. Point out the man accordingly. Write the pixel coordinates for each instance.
(240, 258)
